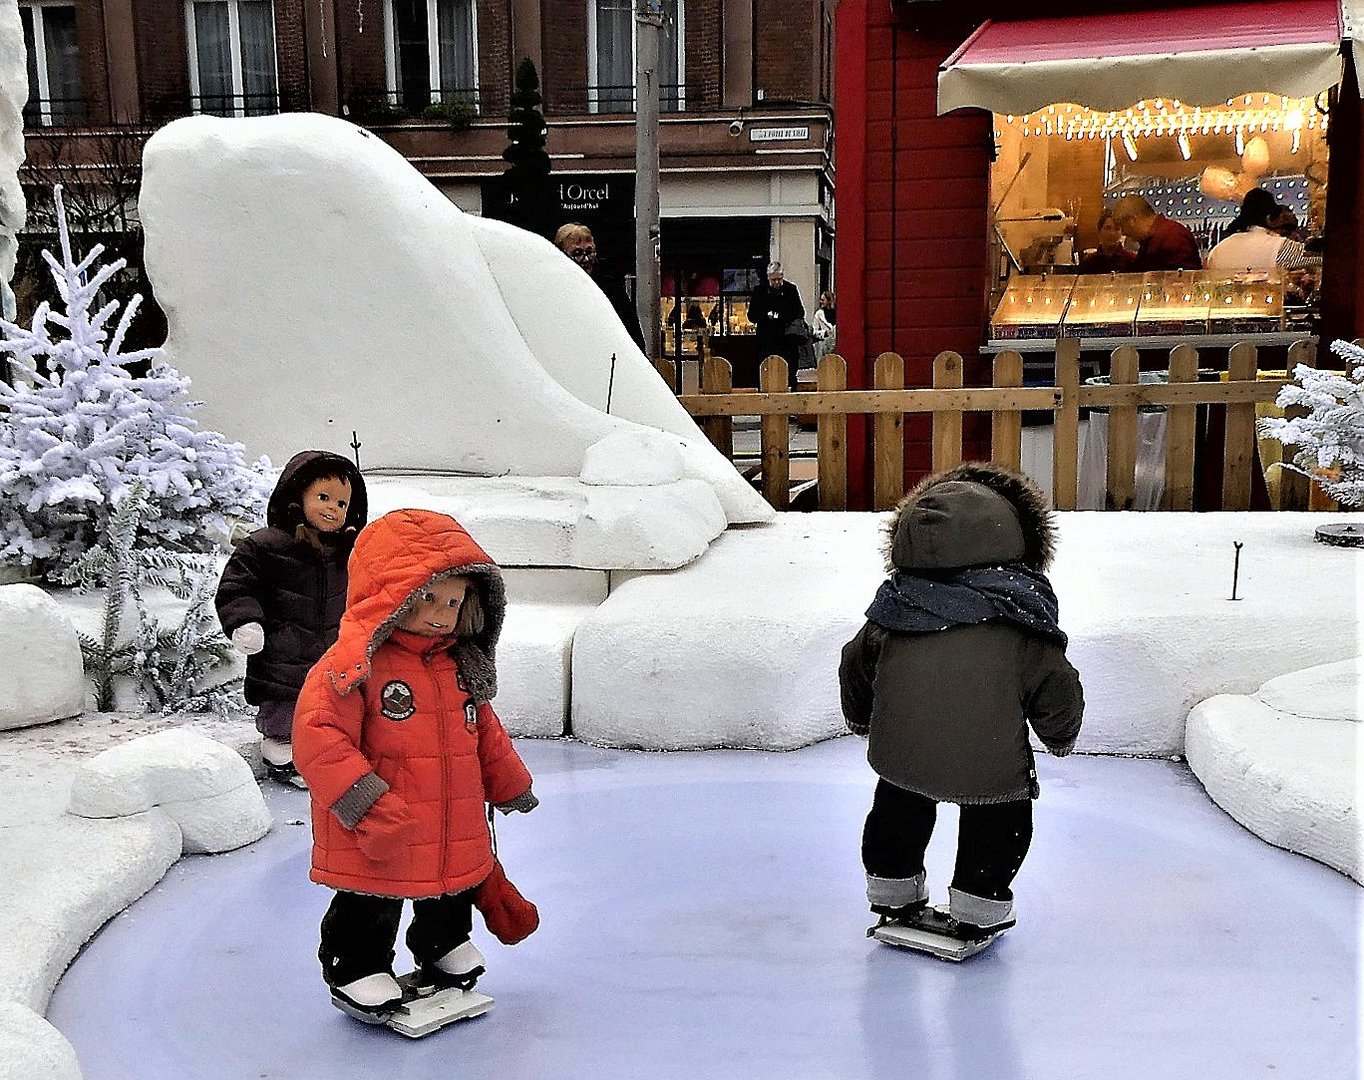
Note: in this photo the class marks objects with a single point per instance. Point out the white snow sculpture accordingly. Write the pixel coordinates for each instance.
(13, 95)
(31, 1048)
(317, 284)
(633, 458)
(561, 521)
(206, 788)
(1283, 761)
(41, 676)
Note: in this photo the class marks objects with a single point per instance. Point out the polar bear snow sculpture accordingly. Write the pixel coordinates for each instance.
(317, 284)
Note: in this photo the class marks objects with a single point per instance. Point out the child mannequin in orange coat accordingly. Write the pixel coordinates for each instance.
(402, 750)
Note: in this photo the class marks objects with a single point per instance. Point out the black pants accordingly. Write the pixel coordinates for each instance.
(991, 842)
(359, 932)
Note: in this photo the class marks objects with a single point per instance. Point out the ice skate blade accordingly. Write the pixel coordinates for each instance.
(364, 1016)
(939, 945)
(423, 1015)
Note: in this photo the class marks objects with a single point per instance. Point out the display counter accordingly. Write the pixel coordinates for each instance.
(1203, 308)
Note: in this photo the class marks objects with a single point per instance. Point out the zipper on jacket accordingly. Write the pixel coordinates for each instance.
(444, 768)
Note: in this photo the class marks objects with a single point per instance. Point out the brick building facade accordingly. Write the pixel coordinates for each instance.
(746, 132)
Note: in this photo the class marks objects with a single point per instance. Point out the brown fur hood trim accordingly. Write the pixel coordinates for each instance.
(1034, 516)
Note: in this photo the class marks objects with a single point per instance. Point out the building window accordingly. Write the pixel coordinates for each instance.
(232, 57)
(611, 56)
(432, 53)
(54, 78)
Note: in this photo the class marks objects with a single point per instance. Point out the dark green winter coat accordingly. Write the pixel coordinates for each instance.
(946, 704)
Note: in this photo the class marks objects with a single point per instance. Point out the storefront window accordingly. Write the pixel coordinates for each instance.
(1070, 256)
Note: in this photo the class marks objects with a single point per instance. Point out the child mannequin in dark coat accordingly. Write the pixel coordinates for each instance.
(960, 652)
(284, 588)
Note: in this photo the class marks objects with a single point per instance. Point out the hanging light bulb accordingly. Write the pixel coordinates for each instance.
(1129, 145)
(1240, 141)
(1297, 139)
(1184, 149)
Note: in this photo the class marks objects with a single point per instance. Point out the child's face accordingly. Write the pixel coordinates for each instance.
(325, 503)
(435, 611)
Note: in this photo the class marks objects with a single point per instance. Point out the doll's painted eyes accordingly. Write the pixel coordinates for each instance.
(430, 598)
(322, 496)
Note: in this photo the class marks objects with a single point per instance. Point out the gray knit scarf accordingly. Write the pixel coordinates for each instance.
(926, 602)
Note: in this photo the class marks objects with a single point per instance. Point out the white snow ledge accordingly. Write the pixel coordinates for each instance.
(1289, 778)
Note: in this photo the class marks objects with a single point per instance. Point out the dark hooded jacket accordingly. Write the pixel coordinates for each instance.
(291, 579)
(961, 649)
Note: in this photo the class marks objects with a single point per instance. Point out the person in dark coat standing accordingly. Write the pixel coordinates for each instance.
(960, 652)
(577, 242)
(774, 306)
(284, 588)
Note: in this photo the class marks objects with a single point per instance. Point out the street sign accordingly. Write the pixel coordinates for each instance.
(778, 134)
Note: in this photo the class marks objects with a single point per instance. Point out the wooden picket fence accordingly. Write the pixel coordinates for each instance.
(888, 402)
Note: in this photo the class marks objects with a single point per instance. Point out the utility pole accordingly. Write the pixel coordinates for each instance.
(648, 29)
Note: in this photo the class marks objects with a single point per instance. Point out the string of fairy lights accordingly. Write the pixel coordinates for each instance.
(1241, 117)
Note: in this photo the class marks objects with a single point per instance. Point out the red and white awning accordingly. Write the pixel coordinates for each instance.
(1201, 55)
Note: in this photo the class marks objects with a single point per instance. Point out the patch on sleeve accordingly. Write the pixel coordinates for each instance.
(396, 700)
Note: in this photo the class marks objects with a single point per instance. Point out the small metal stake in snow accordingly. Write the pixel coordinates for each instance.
(355, 445)
(1236, 569)
(610, 384)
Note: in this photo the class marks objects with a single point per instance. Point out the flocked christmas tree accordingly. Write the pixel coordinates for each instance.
(1330, 437)
(77, 429)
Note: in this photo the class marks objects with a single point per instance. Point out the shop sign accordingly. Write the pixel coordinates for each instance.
(778, 134)
(587, 194)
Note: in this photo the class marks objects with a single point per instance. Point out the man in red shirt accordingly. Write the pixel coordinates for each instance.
(1164, 244)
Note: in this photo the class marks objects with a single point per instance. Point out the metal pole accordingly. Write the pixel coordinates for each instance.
(648, 28)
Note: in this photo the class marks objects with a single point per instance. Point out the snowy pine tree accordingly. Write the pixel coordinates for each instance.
(78, 428)
(1331, 435)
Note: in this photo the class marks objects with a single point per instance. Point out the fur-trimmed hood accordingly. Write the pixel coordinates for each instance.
(285, 508)
(976, 514)
(394, 557)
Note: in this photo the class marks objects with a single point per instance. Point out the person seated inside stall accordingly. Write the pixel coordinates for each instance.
(1164, 244)
(1111, 256)
(1252, 243)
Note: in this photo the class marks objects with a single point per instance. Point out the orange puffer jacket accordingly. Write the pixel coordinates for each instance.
(414, 713)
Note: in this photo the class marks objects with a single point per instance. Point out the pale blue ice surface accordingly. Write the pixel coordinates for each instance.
(704, 917)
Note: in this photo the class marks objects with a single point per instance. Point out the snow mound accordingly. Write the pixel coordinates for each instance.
(41, 674)
(1325, 692)
(633, 458)
(534, 653)
(561, 521)
(32, 1049)
(739, 649)
(1288, 778)
(435, 369)
(206, 788)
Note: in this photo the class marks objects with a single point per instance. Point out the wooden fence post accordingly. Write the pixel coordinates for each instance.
(667, 372)
(947, 375)
(1181, 423)
(776, 437)
(717, 377)
(1238, 453)
(1065, 437)
(1006, 428)
(1125, 369)
(1295, 490)
(888, 436)
(832, 376)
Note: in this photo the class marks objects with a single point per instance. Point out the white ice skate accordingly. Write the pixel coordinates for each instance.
(408, 1005)
(279, 762)
(932, 930)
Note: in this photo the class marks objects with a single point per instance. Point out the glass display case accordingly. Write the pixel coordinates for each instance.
(1174, 302)
(1103, 305)
(688, 321)
(1031, 307)
(1247, 303)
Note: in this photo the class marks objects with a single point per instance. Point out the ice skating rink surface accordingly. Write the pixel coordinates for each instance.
(703, 917)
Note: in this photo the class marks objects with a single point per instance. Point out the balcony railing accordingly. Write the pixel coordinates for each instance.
(434, 104)
(54, 112)
(611, 98)
(235, 104)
